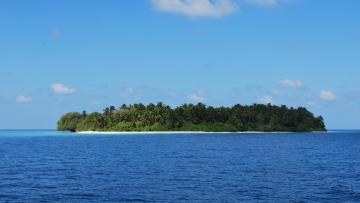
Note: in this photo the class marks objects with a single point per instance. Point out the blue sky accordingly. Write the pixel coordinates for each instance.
(61, 56)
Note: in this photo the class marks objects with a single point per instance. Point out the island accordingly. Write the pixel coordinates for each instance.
(193, 117)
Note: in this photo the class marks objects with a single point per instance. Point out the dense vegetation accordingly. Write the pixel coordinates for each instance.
(189, 117)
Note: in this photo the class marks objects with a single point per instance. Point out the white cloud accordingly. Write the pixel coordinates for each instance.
(267, 2)
(199, 96)
(267, 99)
(291, 84)
(23, 99)
(62, 89)
(197, 8)
(327, 95)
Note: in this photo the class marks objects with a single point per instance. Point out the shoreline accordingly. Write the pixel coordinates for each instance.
(171, 132)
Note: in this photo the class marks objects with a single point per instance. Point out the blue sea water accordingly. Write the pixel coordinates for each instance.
(49, 166)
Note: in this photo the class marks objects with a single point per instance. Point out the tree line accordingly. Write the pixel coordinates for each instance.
(194, 117)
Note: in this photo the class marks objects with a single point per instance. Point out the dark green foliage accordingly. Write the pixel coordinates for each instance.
(69, 121)
(94, 121)
(189, 117)
(208, 127)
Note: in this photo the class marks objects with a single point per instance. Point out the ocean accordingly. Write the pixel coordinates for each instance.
(50, 166)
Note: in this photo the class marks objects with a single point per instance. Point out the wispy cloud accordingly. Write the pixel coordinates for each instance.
(198, 96)
(62, 89)
(23, 99)
(327, 95)
(291, 84)
(267, 99)
(267, 2)
(197, 8)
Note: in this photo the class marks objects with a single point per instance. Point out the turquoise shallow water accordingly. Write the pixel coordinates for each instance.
(49, 166)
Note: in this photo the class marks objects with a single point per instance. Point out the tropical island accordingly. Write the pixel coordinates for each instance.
(190, 117)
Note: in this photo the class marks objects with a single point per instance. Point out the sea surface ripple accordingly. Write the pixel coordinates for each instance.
(49, 166)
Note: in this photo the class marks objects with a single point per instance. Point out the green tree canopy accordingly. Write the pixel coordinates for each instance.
(190, 117)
